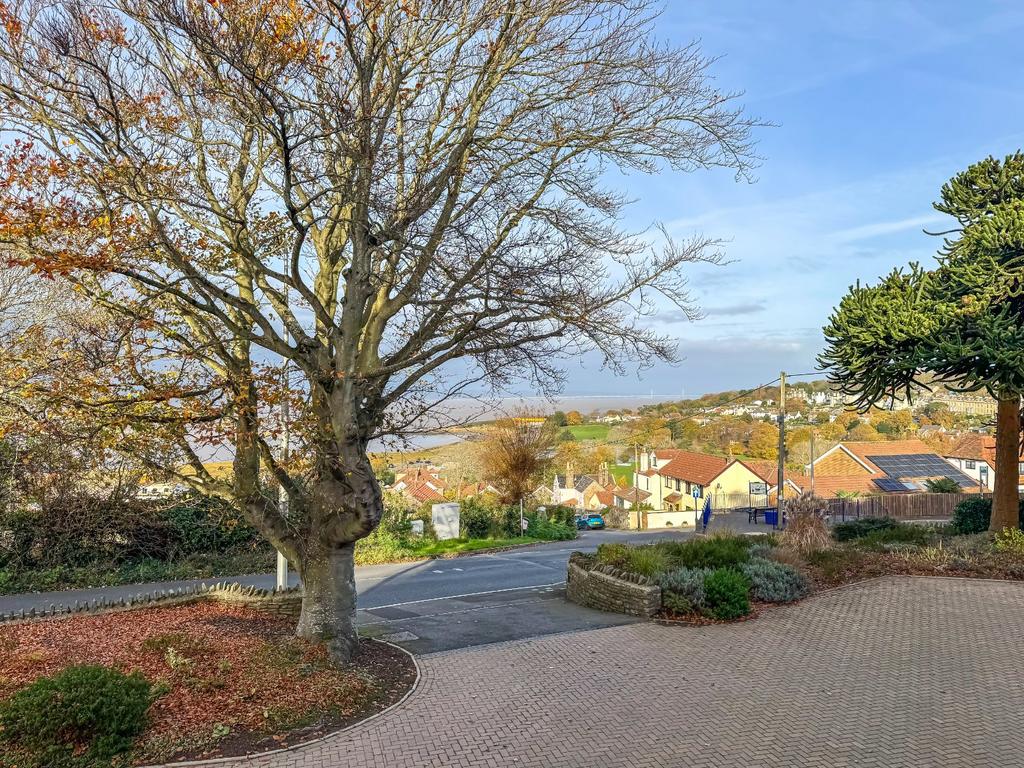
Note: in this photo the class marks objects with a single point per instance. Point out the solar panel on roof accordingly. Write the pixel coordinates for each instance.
(902, 466)
(889, 485)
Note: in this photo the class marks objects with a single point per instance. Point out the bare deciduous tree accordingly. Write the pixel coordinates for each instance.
(514, 453)
(402, 200)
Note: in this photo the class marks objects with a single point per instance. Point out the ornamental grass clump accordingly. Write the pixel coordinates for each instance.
(806, 528)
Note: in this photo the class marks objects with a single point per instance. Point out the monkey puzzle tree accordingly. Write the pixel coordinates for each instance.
(400, 201)
(962, 322)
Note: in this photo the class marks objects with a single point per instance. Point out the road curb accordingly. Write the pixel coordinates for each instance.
(248, 757)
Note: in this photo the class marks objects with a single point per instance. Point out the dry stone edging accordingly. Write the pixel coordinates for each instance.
(285, 603)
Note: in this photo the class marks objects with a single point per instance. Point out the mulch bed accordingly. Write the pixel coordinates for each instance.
(237, 680)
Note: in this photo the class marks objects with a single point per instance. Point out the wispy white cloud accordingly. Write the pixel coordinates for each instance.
(880, 228)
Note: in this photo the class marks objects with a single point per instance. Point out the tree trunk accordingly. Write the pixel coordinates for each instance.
(329, 601)
(1005, 497)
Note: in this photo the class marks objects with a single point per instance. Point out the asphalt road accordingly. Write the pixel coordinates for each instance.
(392, 586)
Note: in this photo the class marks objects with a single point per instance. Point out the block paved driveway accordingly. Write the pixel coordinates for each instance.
(891, 673)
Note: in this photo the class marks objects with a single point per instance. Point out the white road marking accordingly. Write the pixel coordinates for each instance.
(437, 571)
(466, 594)
(458, 569)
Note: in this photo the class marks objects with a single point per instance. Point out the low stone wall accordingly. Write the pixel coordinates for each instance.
(686, 518)
(281, 603)
(615, 517)
(606, 589)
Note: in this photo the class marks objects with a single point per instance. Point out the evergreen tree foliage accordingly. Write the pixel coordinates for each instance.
(962, 322)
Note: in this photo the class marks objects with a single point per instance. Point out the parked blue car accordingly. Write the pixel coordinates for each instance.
(593, 521)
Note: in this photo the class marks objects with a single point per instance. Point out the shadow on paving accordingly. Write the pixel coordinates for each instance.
(448, 623)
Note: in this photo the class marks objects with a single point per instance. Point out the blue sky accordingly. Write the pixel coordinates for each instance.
(876, 104)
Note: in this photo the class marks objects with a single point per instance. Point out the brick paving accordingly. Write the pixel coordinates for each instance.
(895, 672)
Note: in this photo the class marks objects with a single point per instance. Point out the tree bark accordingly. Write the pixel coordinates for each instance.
(1005, 497)
(329, 601)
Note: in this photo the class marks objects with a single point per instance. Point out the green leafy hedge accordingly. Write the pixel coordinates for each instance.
(855, 529)
(974, 515)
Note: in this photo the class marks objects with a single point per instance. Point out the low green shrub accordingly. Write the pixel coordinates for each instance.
(727, 594)
(682, 590)
(559, 514)
(836, 562)
(763, 551)
(974, 515)
(772, 582)
(83, 716)
(541, 528)
(855, 529)
(707, 552)
(900, 534)
(475, 519)
(1010, 541)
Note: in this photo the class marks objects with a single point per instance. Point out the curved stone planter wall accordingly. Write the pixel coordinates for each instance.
(604, 588)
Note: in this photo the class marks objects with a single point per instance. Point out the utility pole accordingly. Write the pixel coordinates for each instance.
(812, 461)
(781, 479)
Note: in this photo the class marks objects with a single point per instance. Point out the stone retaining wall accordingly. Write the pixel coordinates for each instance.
(606, 589)
(280, 603)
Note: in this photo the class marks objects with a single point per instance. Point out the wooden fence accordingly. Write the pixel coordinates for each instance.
(899, 505)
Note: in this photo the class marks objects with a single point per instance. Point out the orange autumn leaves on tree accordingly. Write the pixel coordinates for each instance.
(397, 200)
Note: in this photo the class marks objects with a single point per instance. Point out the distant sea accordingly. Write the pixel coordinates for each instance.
(468, 411)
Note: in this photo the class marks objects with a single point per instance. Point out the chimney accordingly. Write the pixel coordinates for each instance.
(570, 477)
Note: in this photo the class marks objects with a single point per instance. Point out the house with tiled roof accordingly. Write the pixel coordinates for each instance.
(420, 485)
(678, 480)
(975, 455)
(628, 497)
(599, 497)
(868, 468)
(482, 488)
(571, 489)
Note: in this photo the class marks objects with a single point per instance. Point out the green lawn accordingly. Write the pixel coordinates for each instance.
(590, 431)
(455, 546)
(622, 473)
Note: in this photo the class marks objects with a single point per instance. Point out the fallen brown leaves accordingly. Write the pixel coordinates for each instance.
(234, 677)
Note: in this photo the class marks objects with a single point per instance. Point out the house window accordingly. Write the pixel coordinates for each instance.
(1020, 468)
(668, 482)
(678, 485)
(971, 464)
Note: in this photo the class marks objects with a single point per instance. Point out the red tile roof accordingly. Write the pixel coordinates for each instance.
(763, 468)
(693, 467)
(828, 487)
(976, 446)
(634, 495)
(424, 492)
